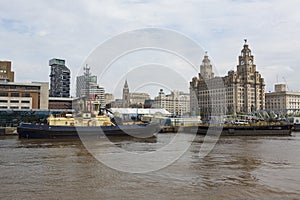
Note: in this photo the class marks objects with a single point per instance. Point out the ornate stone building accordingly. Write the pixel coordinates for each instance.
(126, 97)
(239, 91)
(132, 99)
(137, 99)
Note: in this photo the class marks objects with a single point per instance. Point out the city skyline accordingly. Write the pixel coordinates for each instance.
(32, 33)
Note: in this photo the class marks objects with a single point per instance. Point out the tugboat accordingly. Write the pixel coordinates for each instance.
(88, 124)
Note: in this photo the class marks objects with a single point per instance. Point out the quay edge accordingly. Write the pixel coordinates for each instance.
(8, 131)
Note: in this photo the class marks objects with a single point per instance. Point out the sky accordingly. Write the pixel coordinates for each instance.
(34, 31)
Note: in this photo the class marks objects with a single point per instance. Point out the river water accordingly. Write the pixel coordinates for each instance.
(237, 168)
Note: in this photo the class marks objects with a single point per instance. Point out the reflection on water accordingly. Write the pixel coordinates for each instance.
(237, 168)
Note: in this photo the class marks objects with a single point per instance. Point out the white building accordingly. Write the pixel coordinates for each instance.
(177, 103)
(81, 84)
(282, 100)
(86, 85)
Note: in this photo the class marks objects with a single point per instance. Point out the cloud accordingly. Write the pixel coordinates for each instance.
(33, 32)
(11, 25)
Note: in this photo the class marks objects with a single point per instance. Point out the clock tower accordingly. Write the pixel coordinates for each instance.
(246, 60)
(250, 85)
(126, 97)
(206, 68)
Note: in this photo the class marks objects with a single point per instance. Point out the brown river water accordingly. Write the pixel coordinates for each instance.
(237, 168)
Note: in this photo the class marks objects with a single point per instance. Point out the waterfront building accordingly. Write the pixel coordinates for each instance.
(207, 91)
(60, 103)
(81, 84)
(239, 91)
(128, 114)
(282, 100)
(86, 85)
(6, 75)
(59, 78)
(15, 95)
(117, 103)
(148, 103)
(109, 98)
(133, 99)
(137, 99)
(97, 93)
(125, 96)
(177, 102)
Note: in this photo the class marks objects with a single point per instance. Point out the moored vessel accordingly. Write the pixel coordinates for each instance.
(296, 123)
(86, 126)
(257, 129)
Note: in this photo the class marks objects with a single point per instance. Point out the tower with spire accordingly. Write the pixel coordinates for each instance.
(244, 88)
(249, 85)
(206, 68)
(126, 97)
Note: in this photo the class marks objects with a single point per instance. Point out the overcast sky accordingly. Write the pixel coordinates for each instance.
(34, 31)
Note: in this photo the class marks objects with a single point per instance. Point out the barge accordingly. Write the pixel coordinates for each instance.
(242, 130)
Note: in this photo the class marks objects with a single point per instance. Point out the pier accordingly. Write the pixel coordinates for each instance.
(8, 131)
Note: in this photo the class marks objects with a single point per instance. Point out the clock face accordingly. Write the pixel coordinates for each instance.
(250, 62)
(242, 62)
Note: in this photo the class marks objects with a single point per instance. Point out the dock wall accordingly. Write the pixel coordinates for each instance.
(8, 131)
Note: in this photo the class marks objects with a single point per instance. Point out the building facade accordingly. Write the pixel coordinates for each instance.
(86, 85)
(98, 93)
(239, 91)
(138, 99)
(177, 102)
(81, 84)
(59, 78)
(283, 101)
(6, 75)
(125, 96)
(24, 95)
(109, 98)
(60, 103)
(117, 103)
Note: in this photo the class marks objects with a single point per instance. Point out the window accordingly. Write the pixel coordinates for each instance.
(25, 101)
(14, 94)
(26, 95)
(3, 101)
(24, 107)
(14, 107)
(3, 94)
(3, 107)
(14, 101)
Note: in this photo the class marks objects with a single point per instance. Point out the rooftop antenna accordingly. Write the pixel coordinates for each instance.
(287, 87)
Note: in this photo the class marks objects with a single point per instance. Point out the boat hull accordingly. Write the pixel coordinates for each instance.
(276, 130)
(44, 131)
(296, 127)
